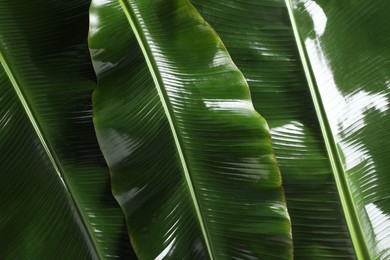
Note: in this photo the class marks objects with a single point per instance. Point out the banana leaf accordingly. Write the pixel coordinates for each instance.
(191, 161)
(319, 73)
(346, 46)
(55, 198)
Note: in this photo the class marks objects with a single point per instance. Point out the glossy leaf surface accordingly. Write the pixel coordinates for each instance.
(55, 199)
(191, 161)
(344, 50)
(347, 48)
(259, 37)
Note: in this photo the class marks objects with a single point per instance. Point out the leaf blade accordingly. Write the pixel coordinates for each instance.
(345, 112)
(199, 110)
(348, 90)
(47, 55)
(259, 38)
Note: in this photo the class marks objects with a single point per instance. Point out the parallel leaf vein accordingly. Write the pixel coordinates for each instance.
(337, 167)
(51, 154)
(143, 43)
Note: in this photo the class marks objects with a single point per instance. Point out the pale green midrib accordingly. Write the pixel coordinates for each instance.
(154, 71)
(346, 198)
(51, 155)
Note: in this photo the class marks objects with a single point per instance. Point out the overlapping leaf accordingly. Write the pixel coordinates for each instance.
(55, 199)
(191, 161)
(346, 44)
(344, 57)
(259, 37)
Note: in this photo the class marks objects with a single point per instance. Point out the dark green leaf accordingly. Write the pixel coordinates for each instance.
(346, 44)
(259, 37)
(55, 199)
(342, 68)
(191, 161)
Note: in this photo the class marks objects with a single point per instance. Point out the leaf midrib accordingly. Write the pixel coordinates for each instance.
(345, 194)
(55, 162)
(154, 71)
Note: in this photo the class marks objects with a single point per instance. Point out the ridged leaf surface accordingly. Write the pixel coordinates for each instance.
(55, 198)
(191, 161)
(346, 47)
(326, 99)
(259, 36)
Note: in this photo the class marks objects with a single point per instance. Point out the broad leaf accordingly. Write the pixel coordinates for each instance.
(343, 55)
(55, 199)
(347, 50)
(191, 161)
(261, 42)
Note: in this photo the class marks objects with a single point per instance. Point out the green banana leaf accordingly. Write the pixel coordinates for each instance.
(55, 198)
(191, 161)
(261, 42)
(319, 73)
(345, 50)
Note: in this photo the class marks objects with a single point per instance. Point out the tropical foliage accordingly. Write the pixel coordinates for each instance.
(145, 129)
